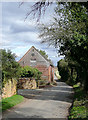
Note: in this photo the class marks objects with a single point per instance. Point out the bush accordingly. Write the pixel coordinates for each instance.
(80, 104)
(30, 72)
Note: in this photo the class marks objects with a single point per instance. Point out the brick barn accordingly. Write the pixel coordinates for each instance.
(34, 59)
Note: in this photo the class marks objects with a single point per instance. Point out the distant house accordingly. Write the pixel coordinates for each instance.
(34, 59)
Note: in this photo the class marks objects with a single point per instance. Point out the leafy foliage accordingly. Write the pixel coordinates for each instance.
(69, 33)
(43, 53)
(30, 72)
(79, 108)
(63, 69)
(10, 68)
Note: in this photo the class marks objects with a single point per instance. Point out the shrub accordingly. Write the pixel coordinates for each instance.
(30, 72)
(80, 105)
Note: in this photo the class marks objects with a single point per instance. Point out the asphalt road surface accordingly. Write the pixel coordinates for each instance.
(49, 103)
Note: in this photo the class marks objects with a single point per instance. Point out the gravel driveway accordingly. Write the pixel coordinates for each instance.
(47, 103)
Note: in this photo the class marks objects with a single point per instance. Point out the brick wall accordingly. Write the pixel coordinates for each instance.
(44, 70)
(47, 72)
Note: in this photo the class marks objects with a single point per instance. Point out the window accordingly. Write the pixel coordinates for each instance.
(33, 60)
(32, 54)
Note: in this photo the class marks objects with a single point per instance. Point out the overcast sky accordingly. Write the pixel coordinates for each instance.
(19, 35)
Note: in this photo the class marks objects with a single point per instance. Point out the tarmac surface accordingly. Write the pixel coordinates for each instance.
(45, 104)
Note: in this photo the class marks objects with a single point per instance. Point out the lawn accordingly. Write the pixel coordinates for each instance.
(80, 105)
(11, 101)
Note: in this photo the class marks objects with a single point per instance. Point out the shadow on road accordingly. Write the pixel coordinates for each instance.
(45, 103)
(61, 92)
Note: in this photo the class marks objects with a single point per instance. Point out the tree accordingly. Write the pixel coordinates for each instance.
(69, 31)
(43, 53)
(37, 9)
(10, 68)
(63, 69)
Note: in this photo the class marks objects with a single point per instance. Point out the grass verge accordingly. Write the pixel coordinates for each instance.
(79, 110)
(11, 101)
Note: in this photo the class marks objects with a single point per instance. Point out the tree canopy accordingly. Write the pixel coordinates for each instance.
(69, 31)
(10, 68)
(43, 53)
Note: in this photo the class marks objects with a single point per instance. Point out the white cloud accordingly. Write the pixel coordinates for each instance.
(18, 35)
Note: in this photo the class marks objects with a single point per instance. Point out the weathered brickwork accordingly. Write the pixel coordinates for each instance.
(44, 70)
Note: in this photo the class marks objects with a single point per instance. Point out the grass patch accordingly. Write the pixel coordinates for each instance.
(80, 105)
(11, 101)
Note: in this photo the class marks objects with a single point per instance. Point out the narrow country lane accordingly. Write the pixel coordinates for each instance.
(50, 103)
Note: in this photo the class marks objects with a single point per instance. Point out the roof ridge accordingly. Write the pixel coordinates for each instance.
(38, 52)
(42, 55)
(25, 54)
